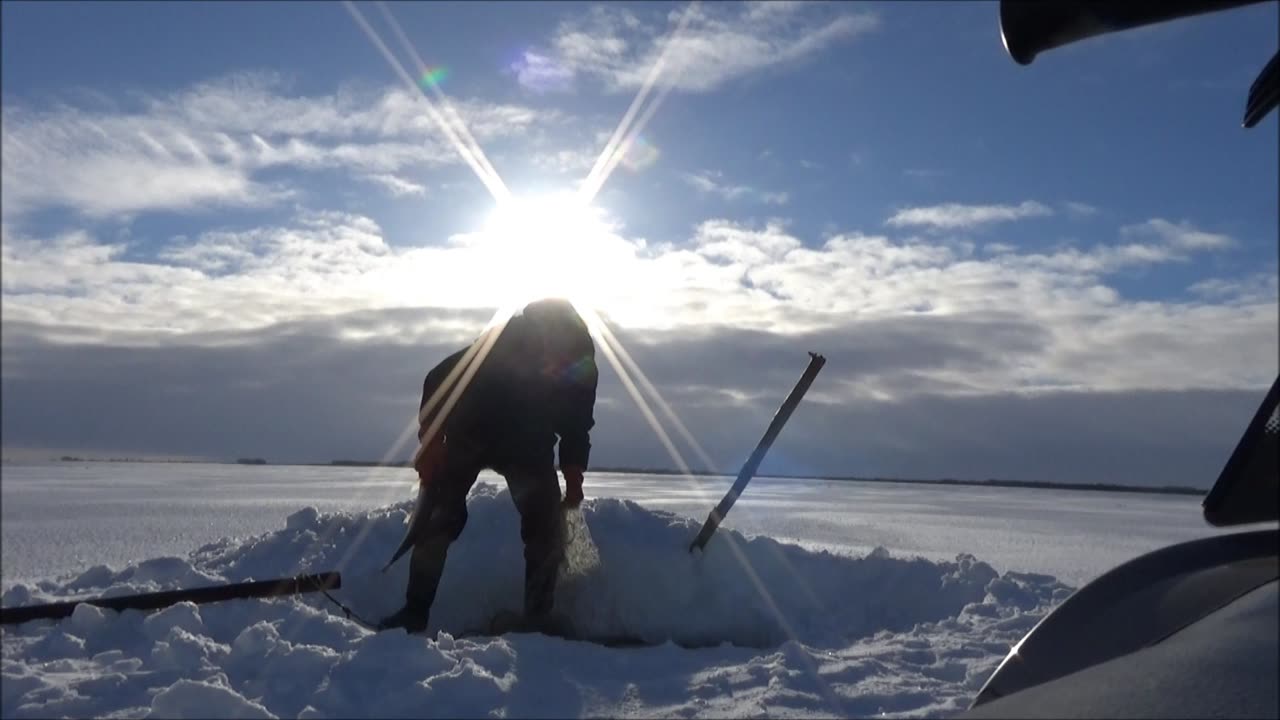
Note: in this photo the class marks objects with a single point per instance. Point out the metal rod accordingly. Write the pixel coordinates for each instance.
(156, 600)
(753, 463)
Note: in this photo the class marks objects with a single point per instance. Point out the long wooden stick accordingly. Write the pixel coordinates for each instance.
(157, 600)
(753, 463)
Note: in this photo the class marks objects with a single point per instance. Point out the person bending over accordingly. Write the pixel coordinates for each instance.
(536, 385)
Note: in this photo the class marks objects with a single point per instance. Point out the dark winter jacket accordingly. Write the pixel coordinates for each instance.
(537, 381)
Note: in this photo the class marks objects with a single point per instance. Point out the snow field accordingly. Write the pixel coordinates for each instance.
(751, 627)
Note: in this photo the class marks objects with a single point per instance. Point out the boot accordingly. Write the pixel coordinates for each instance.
(426, 565)
(411, 619)
(506, 621)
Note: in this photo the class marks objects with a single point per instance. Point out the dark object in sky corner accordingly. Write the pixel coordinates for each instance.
(1264, 94)
(1029, 27)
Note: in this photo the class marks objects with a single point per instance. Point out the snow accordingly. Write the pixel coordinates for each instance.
(757, 625)
(61, 518)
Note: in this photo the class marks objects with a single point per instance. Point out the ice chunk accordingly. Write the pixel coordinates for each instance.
(192, 699)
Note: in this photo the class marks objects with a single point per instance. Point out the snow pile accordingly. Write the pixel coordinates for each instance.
(750, 627)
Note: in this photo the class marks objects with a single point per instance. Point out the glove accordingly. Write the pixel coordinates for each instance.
(572, 486)
(430, 459)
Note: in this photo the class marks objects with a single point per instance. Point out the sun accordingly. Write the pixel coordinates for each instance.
(551, 245)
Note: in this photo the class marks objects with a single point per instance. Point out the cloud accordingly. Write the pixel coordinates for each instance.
(1079, 209)
(1179, 236)
(710, 182)
(953, 215)
(1165, 242)
(576, 161)
(209, 145)
(758, 277)
(299, 391)
(396, 186)
(721, 43)
(1248, 290)
(318, 263)
(295, 390)
(541, 73)
(308, 339)
(112, 179)
(999, 248)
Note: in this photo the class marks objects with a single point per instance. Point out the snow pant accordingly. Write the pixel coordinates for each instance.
(535, 488)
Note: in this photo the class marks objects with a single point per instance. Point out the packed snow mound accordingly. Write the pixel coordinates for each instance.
(794, 631)
(749, 591)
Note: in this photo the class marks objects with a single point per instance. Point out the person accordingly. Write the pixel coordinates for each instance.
(536, 383)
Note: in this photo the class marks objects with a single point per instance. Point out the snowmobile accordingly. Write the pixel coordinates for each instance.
(1193, 629)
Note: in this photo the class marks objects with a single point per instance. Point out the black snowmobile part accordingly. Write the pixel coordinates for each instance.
(753, 462)
(1029, 27)
(154, 601)
(1248, 488)
(1264, 94)
(1136, 605)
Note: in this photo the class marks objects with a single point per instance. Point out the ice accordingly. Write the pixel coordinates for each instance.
(183, 615)
(192, 699)
(814, 599)
(64, 518)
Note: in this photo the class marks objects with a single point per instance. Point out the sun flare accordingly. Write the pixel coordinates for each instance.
(550, 245)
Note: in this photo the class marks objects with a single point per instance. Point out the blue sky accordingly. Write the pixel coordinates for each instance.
(981, 238)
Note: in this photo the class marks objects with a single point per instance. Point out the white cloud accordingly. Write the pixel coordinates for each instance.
(726, 240)
(1102, 259)
(722, 42)
(1037, 320)
(1079, 209)
(577, 161)
(711, 182)
(999, 248)
(1179, 236)
(397, 186)
(206, 146)
(1251, 289)
(1166, 243)
(954, 215)
(542, 73)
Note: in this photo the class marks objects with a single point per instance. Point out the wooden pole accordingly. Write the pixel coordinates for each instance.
(156, 600)
(753, 463)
